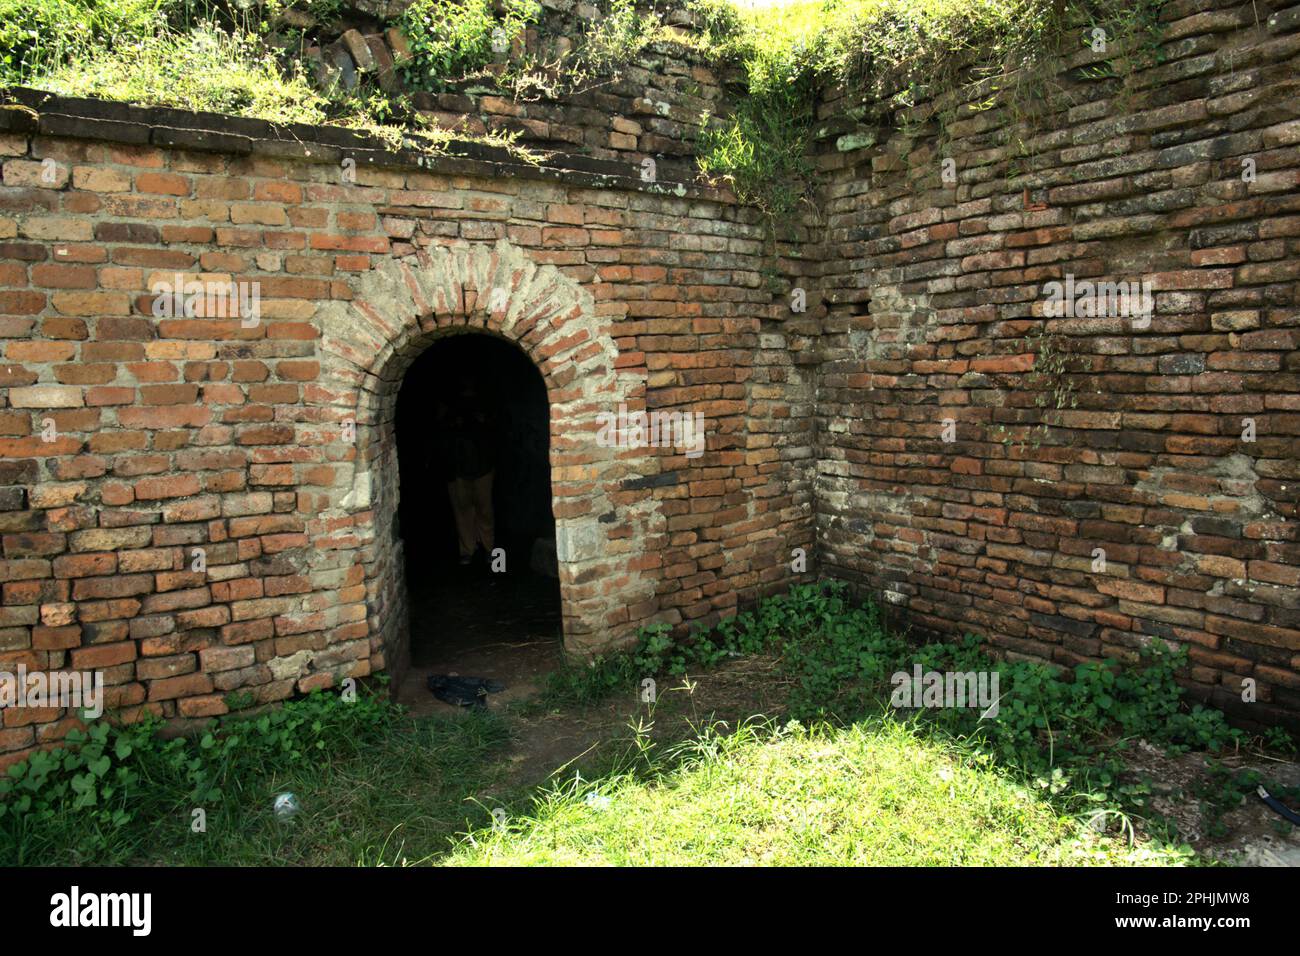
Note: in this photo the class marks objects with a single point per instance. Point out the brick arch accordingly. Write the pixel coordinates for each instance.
(367, 344)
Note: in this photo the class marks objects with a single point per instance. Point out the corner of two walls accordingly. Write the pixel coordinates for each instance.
(1157, 503)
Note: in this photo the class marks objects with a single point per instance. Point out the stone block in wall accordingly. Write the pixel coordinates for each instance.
(398, 44)
(359, 50)
(340, 62)
(384, 65)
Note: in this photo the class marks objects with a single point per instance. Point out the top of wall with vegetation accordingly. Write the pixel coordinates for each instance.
(707, 88)
(27, 112)
(564, 77)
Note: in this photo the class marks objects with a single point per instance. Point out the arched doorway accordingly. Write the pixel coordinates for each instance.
(609, 525)
(498, 615)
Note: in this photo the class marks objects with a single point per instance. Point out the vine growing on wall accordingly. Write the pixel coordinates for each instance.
(1054, 391)
(453, 46)
(914, 62)
(915, 65)
(450, 38)
(1051, 382)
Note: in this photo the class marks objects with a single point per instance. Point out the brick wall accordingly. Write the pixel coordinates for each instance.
(131, 441)
(893, 428)
(653, 107)
(934, 287)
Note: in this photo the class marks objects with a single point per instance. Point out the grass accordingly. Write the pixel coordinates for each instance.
(236, 57)
(454, 38)
(906, 59)
(904, 63)
(1063, 732)
(37, 35)
(210, 69)
(417, 787)
(205, 69)
(367, 778)
(864, 783)
(226, 58)
(871, 794)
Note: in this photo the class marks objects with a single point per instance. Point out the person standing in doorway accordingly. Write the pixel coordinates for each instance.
(468, 431)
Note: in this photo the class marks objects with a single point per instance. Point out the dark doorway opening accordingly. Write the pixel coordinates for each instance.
(471, 402)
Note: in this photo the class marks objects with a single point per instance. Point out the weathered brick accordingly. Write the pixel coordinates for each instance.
(826, 429)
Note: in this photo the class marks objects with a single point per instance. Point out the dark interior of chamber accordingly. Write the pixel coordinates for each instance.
(510, 595)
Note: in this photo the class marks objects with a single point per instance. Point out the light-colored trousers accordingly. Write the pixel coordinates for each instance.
(471, 503)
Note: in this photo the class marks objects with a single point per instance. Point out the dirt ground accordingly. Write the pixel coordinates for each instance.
(555, 743)
(548, 744)
(470, 622)
(508, 630)
(1255, 835)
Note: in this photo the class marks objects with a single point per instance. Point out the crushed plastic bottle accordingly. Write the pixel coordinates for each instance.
(286, 806)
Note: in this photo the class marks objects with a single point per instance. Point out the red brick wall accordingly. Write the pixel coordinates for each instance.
(934, 287)
(269, 446)
(654, 106)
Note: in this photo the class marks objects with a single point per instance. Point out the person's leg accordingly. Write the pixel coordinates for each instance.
(462, 508)
(484, 523)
